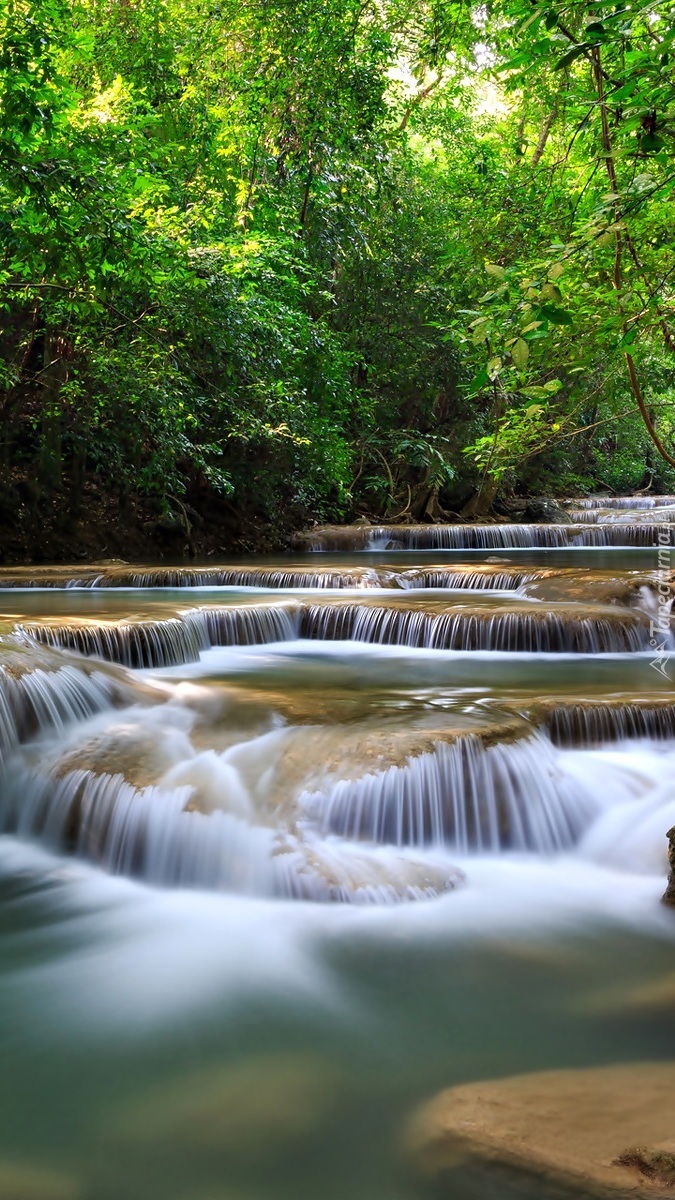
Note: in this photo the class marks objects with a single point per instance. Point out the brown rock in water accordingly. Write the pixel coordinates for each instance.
(600, 1133)
(656, 1162)
(669, 894)
(22, 1181)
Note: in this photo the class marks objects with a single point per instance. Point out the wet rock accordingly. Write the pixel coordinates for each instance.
(654, 1162)
(549, 512)
(141, 755)
(601, 1133)
(669, 894)
(328, 872)
(23, 1181)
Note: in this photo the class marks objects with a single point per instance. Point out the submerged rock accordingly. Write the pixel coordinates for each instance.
(237, 1109)
(669, 894)
(330, 872)
(23, 1181)
(601, 1132)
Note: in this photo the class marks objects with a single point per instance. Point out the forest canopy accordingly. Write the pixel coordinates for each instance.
(294, 260)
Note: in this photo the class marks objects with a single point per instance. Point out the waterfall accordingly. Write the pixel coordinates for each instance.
(174, 640)
(144, 832)
(251, 626)
(464, 796)
(634, 502)
(468, 578)
(152, 834)
(162, 643)
(181, 639)
(616, 516)
(591, 724)
(39, 700)
(479, 537)
(257, 577)
(532, 630)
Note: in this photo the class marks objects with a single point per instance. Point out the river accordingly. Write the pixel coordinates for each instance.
(290, 845)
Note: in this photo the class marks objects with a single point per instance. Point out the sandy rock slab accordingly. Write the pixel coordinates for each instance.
(24, 1181)
(606, 1133)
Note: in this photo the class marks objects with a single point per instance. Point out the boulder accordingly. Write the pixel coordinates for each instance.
(602, 1133)
(548, 512)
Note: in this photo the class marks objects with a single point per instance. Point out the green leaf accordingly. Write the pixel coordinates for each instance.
(551, 292)
(557, 316)
(651, 142)
(571, 55)
(495, 270)
(520, 352)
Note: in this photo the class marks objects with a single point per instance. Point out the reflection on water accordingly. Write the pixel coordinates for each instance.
(222, 976)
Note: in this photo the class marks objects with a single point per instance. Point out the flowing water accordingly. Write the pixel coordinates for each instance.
(289, 845)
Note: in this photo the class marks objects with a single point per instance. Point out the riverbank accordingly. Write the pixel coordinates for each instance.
(203, 526)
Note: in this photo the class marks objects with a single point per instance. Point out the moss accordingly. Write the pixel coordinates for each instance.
(656, 1164)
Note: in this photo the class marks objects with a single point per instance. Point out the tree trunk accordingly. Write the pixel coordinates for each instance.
(54, 375)
(546, 126)
(481, 503)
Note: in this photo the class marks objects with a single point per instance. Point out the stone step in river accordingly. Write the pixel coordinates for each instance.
(486, 622)
(482, 537)
(476, 576)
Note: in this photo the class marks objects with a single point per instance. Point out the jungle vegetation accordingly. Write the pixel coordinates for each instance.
(264, 262)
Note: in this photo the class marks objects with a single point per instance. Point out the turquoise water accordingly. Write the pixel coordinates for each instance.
(160, 1043)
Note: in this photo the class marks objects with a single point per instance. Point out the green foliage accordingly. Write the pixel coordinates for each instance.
(326, 257)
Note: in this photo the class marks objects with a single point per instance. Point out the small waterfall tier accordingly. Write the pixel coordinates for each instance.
(465, 796)
(477, 537)
(153, 833)
(508, 627)
(501, 625)
(475, 576)
(40, 692)
(591, 723)
(619, 502)
(172, 641)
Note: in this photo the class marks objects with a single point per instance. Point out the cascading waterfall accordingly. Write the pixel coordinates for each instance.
(173, 641)
(181, 639)
(38, 700)
(251, 626)
(256, 577)
(143, 832)
(137, 798)
(633, 502)
(619, 516)
(592, 724)
(131, 644)
(463, 796)
(536, 631)
(479, 537)
(151, 833)
(470, 579)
